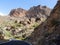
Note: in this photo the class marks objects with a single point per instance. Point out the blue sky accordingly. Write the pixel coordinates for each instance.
(7, 5)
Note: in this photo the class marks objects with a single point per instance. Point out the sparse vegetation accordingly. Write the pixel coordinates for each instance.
(12, 29)
(35, 24)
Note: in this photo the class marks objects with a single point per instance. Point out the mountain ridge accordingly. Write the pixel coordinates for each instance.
(32, 12)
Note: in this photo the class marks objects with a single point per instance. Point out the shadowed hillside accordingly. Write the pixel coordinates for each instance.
(48, 32)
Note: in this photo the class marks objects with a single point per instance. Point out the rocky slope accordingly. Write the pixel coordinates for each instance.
(48, 33)
(20, 23)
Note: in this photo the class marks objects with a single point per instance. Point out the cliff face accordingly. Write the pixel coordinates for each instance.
(19, 12)
(48, 32)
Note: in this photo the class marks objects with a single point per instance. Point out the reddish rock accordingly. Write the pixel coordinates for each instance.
(19, 12)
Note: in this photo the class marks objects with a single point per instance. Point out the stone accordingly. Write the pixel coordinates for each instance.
(19, 12)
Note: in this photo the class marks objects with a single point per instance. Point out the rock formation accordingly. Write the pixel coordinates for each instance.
(35, 11)
(19, 12)
(38, 11)
(48, 32)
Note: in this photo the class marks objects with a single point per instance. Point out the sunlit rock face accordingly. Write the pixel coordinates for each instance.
(48, 31)
(19, 12)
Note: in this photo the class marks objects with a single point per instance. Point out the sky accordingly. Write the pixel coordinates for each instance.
(7, 5)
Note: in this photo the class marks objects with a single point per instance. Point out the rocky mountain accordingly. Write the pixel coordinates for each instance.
(19, 12)
(48, 33)
(38, 11)
(21, 23)
(33, 12)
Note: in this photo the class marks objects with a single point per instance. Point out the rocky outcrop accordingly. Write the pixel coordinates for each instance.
(19, 12)
(38, 11)
(33, 12)
(48, 32)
